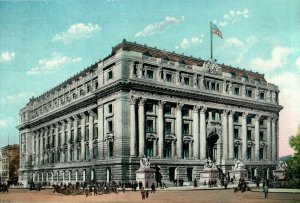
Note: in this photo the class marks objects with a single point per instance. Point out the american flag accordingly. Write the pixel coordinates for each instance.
(216, 31)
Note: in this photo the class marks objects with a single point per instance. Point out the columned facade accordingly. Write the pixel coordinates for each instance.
(176, 110)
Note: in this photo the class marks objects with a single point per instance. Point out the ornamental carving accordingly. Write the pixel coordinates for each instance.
(212, 68)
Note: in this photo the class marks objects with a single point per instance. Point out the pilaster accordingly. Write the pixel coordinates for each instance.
(203, 133)
(196, 132)
(179, 130)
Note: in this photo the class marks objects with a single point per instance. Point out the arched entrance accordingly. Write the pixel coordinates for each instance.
(211, 141)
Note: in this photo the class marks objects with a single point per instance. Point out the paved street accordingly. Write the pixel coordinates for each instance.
(22, 195)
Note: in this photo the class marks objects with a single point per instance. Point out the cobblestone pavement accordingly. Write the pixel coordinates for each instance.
(22, 195)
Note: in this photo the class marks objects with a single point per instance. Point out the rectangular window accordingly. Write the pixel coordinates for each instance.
(213, 86)
(72, 136)
(236, 91)
(95, 151)
(249, 153)
(213, 116)
(59, 139)
(262, 96)
(86, 137)
(95, 131)
(169, 77)
(53, 142)
(261, 136)
(249, 93)
(149, 108)
(65, 137)
(111, 149)
(261, 122)
(186, 81)
(185, 112)
(236, 133)
(218, 87)
(261, 153)
(79, 134)
(249, 121)
(110, 74)
(110, 108)
(110, 126)
(235, 118)
(249, 135)
(150, 74)
(149, 126)
(168, 126)
(236, 152)
(186, 129)
(168, 110)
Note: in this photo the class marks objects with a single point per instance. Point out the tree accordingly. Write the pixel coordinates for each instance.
(294, 163)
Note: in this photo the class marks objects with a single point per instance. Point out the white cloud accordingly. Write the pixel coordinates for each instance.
(76, 31)
(7, 56)
(289, 98)
(47, 66)
(17, 97)
(278, 59)
(185, 43)
(232, 17)
(158, 26)
(233, 41)
(298, 63)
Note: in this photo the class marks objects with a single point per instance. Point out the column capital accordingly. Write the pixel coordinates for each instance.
(76, 117)
(179, 106)
(133, 100)
(196, 108)
(269, 118)
(69, 120)
(203, 109)
(225, 112)
(245, 114)
(161, 103)
(231, 113)
(142, 101)
(91, 112)
(83, 115)
(257, 116)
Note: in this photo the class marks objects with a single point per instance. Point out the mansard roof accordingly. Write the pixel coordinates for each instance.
(188, 60)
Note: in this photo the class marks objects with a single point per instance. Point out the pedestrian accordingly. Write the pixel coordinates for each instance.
(195, 182)
(147, 194)
(95, 191)
(153, 188)
(123, 188)
(265, 189)
(143, 193)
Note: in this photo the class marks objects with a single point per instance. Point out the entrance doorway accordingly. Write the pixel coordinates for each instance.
(211, 141)
(172, 174)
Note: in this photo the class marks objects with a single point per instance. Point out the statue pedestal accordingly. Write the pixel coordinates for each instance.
(240, 173)
(146, 176)
(208, 174)
(279, 174)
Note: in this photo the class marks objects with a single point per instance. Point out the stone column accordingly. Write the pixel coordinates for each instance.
(154, 148)
(141, 127)
(75, 138)
(91, 132)
(82, 136)
(56, 142)
(40, 146)
(244, 135)
(69, 139)
(133, 137)
(274, 140)
(224, 134)
(190, 149)
(196, 132)
(100, 132)
(203, 133)
(230, 133)
(63, 141)
(46, 146)
(256, 137)
(173, 148)
(269, 138)
(179, 130)
(51, 143)
(160, 128)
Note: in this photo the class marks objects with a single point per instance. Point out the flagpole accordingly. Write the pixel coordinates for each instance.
(211, 44)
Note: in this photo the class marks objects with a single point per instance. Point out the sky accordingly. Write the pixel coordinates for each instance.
(43, 43)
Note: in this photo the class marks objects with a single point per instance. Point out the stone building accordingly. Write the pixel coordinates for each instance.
(9, 164)
(175, 109)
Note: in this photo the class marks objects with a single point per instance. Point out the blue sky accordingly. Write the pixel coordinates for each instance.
(43, 43)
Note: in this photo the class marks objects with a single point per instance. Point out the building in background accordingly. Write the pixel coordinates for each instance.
(175, 109)
(9, 161)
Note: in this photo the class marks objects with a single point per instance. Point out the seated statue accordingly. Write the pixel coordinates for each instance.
(144, 162)
(238, 164)
(281, 165)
